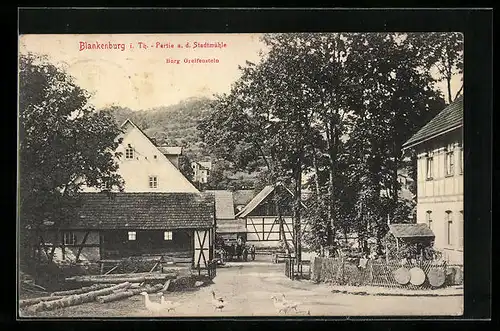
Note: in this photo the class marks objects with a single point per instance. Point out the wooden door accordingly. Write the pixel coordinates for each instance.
(202, 239)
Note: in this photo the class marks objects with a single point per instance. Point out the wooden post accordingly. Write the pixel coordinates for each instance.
(84, 240)
(63, 248)
(386, 253)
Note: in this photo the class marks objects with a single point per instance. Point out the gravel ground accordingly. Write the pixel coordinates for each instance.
(247, 289)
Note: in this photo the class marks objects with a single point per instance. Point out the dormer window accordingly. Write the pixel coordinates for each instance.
(129, 153)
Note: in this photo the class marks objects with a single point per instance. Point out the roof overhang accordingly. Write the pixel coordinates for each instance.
(420, 141)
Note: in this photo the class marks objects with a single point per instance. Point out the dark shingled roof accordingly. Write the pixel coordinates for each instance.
(145, 211)
(410, 230)
(448, 119)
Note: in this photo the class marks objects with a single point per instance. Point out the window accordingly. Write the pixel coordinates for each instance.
(129, 153)
(153, 182)
(449, 228)
(429, 165)
(131, 235)
(428, 219)
(69, 238)
(449, 161)
(167, 235)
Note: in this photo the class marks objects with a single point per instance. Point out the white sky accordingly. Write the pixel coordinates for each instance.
(140, 78)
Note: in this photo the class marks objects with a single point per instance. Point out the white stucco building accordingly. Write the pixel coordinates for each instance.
(145, 167)
(440, 170)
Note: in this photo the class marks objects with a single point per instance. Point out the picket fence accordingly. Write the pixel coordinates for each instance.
(375, 273)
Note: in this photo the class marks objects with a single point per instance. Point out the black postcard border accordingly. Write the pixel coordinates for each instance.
(476, 24)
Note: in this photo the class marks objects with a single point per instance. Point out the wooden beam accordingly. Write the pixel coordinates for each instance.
(112, 269)
(81, 247)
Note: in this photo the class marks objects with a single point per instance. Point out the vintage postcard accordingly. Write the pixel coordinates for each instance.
(210, 175)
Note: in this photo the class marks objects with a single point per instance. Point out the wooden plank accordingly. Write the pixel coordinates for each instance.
(111, 270)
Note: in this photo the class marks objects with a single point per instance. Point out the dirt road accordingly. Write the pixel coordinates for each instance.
(248, 288)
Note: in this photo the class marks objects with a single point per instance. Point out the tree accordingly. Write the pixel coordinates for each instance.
(185, 167)
(63, 145)
(443, 53)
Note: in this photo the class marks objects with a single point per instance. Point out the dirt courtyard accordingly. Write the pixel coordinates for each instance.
(248, 288)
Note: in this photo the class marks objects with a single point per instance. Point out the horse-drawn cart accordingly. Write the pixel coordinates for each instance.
(235, 251)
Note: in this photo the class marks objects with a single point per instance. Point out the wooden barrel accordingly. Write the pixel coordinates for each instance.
(402, 275)
(436, 277)
(417, 276)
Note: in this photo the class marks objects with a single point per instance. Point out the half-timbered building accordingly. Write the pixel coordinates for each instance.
(262, 217)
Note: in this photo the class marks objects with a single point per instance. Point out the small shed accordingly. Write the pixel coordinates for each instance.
(417, 234)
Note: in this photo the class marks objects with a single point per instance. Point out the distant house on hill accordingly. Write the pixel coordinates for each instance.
(201, 170)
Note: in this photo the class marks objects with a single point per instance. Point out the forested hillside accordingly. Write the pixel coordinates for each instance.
(173, 125)
(176, 125)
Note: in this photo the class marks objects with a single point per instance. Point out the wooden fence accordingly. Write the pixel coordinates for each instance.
(375, 273)
(210, 269)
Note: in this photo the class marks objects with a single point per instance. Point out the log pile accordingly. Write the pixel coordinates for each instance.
(119, 278)
(129, 293)
(74, 299)
(104, 288)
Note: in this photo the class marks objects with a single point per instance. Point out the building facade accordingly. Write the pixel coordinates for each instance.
(159, 211)
(145, 167)
(440, 170)
(201, 171)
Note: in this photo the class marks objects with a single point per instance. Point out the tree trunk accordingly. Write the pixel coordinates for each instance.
(115, 280)
(297, 208)
(73, 300)
(82, 290)
(316, 172)
(33, 301)
(280, 220)
(129, 293)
